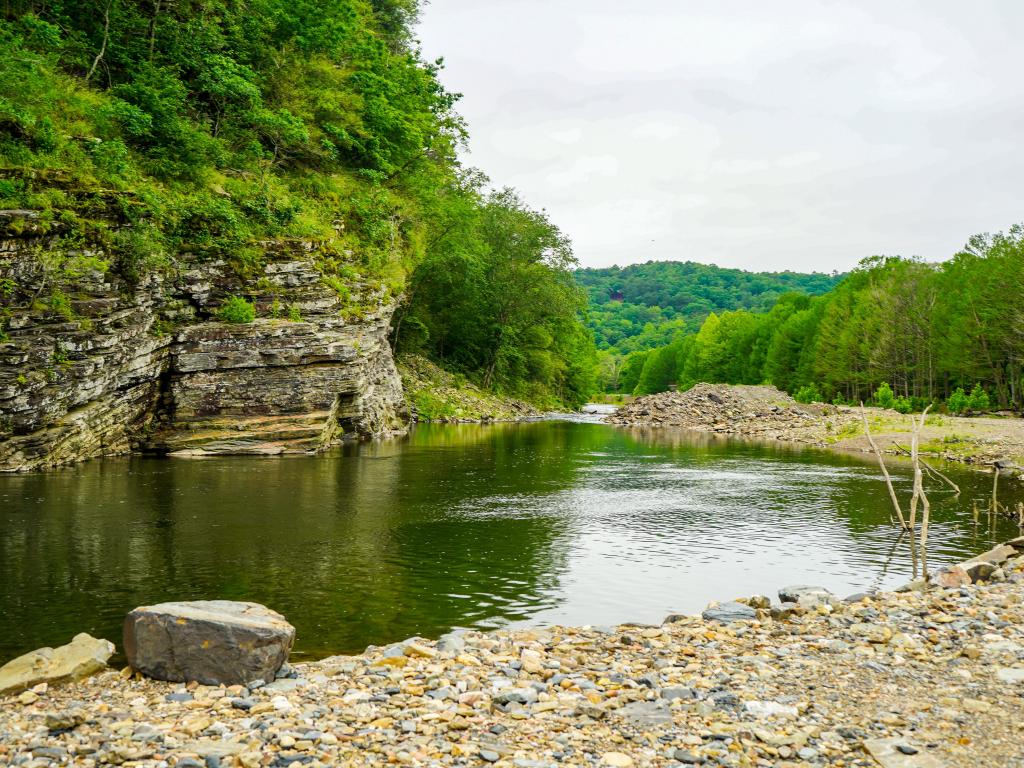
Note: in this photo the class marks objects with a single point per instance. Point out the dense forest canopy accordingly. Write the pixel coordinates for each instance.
(643, 306)
(923, 332)
(151, 130)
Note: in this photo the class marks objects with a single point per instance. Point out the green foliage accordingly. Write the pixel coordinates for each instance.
(496, 300)
(883, 396)
(926, 330)
(632, 367)
(958, 402)
(156, 134)
(236, 310)
(60, 304)
(902, 405)
(229, 123)
(808, 394)
(978, 400)
(644, 306)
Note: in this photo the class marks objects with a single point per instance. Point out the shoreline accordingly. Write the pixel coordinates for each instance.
(824, 681)
(765, 413)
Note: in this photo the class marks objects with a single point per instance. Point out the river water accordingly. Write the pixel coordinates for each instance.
(459, 526)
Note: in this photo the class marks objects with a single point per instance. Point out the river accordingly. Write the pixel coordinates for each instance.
(459, 526)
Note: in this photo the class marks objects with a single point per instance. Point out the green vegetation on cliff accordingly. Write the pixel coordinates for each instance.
(441, 396)
(145, 136)
(928, 331)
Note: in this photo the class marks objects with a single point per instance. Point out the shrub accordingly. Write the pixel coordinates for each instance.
(958, 402)
(237, 310)
(902, 405)
(60, 304)
(883, 396)
(808, 394)
(978, 399)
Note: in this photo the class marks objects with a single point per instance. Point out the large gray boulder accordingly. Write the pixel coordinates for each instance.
(210, 641)
(83, 656)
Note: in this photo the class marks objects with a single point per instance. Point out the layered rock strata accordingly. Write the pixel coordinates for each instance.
(115, 366)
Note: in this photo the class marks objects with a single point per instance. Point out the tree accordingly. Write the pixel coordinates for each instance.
(883, 395)
(926, 330)
(978, 401)
(958, 401)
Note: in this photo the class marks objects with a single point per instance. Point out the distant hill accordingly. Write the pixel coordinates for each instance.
(643, 305)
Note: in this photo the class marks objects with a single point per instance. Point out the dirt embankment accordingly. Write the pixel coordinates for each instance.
(768, 413)
(437, 395)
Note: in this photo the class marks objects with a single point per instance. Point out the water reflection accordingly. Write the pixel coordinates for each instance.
(459, 525)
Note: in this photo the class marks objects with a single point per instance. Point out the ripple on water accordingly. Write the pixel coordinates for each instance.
(458, 527)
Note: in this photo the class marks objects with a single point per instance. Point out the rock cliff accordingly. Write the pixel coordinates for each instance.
(92, 364)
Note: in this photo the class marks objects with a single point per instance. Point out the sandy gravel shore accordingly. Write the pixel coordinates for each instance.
(895, 679)
(767, 413)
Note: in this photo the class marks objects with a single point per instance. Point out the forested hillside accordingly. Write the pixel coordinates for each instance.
(152, 137)
(643, 306)
(928, 332)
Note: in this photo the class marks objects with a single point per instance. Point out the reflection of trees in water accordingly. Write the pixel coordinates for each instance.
(458, 525)
(353, 548)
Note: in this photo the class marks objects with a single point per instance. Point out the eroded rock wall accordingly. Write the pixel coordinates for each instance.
(130, 367)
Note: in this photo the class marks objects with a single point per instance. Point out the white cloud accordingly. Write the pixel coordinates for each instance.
(802, 135)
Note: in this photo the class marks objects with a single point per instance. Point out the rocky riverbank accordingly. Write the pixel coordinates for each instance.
(109, 365)
(916, 678)
(764, 412)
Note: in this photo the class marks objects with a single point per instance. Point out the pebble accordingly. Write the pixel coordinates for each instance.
(813, 687)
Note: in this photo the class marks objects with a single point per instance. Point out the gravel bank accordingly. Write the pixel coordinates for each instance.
(916, 679)
(750, 411)
(765, 412)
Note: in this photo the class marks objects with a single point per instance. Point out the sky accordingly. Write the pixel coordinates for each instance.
(796, 134)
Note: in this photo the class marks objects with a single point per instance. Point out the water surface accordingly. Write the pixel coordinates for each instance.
(458, 526)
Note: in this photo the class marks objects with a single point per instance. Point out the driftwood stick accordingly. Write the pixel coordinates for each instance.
(916, 494)
(925, 505)
(932, 471)
(995, 490)
(885, 471)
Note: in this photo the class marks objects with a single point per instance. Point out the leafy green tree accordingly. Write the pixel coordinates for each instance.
(883, 395)
(496, 300)
(958, 401)
(631, 370)
(978, 400)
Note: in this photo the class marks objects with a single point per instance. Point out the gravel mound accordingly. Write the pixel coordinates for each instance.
(726, 408)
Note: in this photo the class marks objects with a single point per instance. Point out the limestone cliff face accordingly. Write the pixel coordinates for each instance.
(145, 367)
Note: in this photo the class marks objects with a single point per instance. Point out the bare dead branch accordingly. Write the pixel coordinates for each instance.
(103, 47)
(885, 471)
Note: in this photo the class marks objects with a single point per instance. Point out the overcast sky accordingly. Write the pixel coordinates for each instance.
(795, 134)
